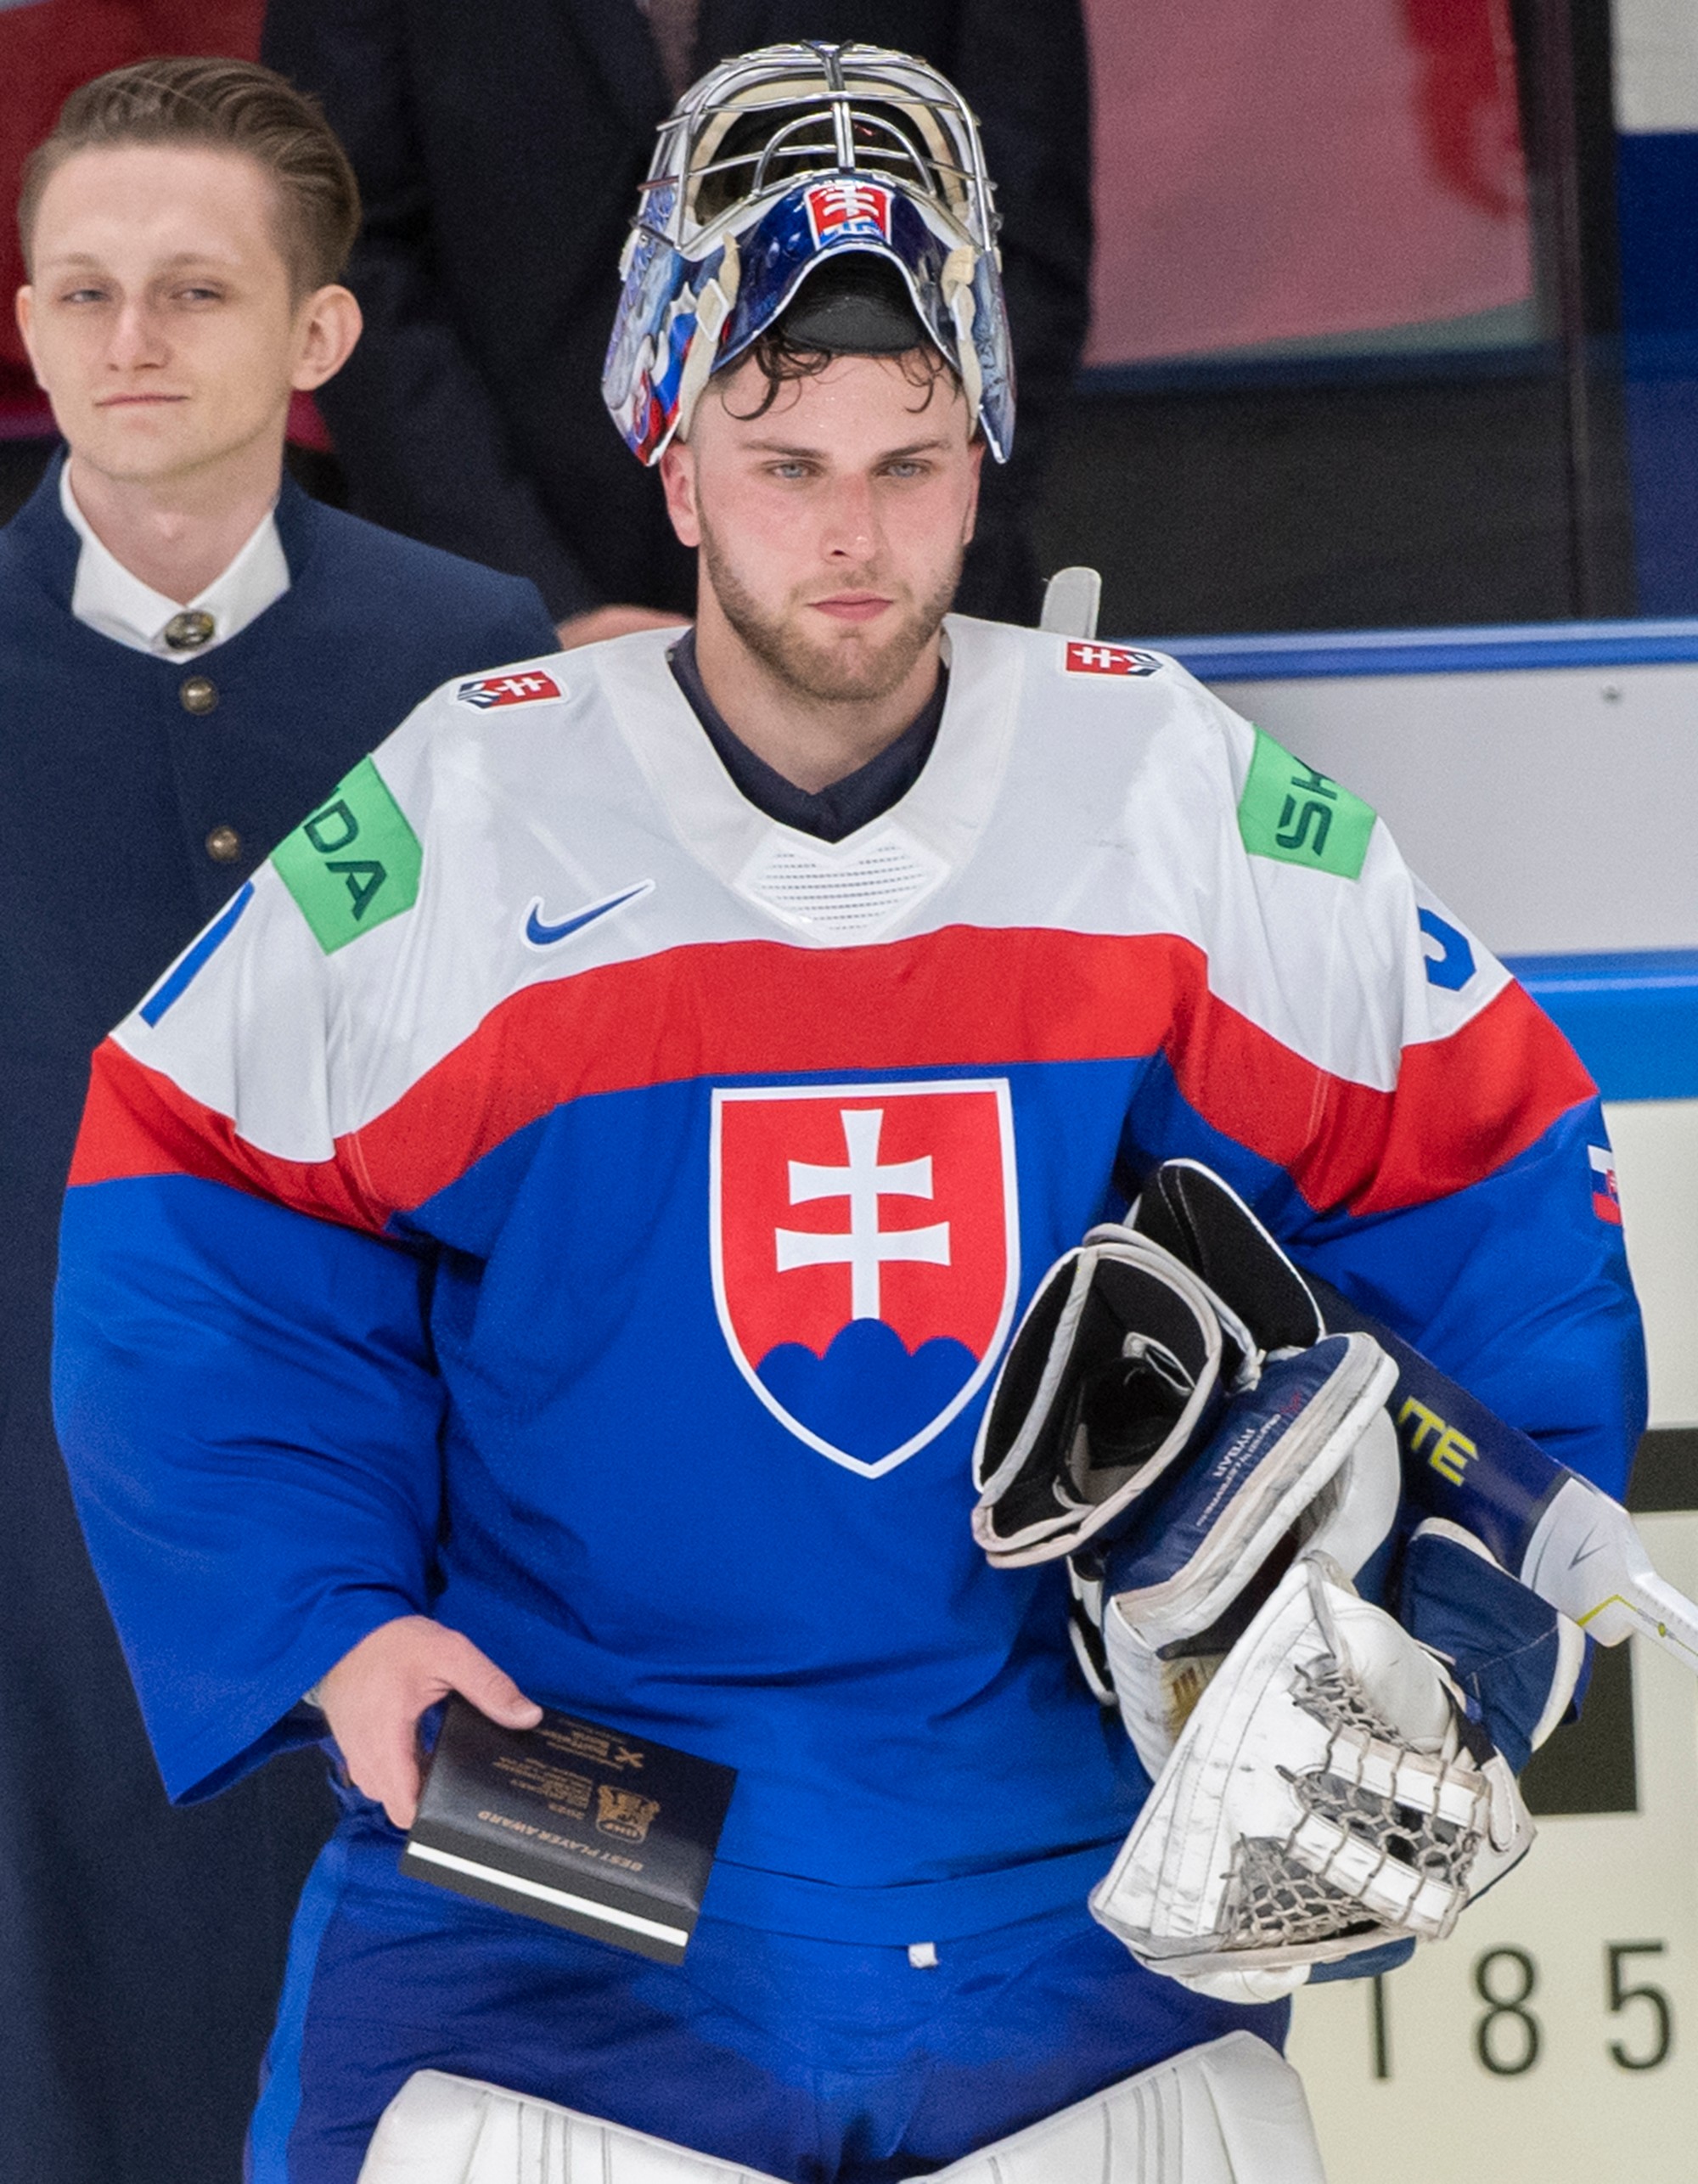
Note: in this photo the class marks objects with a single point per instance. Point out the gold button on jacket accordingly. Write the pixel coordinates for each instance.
(188, 629)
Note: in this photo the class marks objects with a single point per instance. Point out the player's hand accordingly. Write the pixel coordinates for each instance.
(375, 1695)
(613, 622)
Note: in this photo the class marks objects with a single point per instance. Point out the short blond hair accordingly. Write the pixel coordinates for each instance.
(225, 105)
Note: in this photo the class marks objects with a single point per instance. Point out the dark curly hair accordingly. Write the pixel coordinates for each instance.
(782, 360)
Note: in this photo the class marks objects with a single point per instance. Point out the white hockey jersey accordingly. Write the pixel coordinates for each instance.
(558, 1197)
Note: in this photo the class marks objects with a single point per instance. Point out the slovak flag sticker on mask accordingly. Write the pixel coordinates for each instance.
(1606, 1199)
(840, 211)
(866, 1255)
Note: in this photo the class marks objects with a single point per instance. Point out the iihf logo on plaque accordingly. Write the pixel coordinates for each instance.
(866, 1254)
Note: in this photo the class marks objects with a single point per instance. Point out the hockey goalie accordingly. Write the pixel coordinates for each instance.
(553, 1242)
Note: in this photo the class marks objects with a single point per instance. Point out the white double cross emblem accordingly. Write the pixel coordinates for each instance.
(863, 1247)
(853, 204)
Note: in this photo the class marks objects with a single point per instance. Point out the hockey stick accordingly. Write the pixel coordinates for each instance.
(1565, 1539)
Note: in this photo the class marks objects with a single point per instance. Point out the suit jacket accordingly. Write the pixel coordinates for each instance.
(141, 1949)
(499, 149)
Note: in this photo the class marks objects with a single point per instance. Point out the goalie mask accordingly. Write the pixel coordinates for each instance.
(780, 162)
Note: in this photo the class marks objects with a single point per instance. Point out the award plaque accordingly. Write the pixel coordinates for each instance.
(591, 1828)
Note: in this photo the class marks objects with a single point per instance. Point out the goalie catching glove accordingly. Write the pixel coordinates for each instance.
(1330, 1796)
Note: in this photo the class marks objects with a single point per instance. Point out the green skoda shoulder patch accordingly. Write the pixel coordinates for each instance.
(1289, 812)
(354, 864)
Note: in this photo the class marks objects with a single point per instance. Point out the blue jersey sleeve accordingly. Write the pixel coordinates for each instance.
(247, 1404)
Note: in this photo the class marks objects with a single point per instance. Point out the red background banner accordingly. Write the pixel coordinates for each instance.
(1276, 173)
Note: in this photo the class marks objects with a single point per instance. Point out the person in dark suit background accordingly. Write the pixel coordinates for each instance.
(499, 149)
(192, 654)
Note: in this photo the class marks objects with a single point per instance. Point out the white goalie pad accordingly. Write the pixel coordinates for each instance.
(440, 2128)
(1327, 1797)
(1307, 1459)
(1118, 1369)
(1230, 2113)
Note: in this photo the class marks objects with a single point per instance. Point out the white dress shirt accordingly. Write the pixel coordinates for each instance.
(120, 606)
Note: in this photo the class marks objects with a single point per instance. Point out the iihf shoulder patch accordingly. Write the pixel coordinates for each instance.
(1086, 657)
(521, 689)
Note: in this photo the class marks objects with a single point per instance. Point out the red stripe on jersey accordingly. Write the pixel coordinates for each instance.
(137, 1122)
(1463, 1105)
(961, 999)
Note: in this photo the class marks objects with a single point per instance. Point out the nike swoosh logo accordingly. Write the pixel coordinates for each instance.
(1586, 1554)
(544, 936)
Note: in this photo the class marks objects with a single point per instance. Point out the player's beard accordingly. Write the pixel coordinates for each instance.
(832, 670)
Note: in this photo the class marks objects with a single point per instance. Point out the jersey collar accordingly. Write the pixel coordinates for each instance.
(945, 811)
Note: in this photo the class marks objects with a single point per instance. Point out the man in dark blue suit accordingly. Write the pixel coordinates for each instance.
(192, 653)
